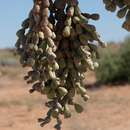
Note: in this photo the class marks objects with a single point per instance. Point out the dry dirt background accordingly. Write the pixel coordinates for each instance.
(107, 109)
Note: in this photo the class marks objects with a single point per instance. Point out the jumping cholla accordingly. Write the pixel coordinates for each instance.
(57, 42)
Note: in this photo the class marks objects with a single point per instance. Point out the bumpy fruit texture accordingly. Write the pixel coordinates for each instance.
(123, 7)
(57, 42)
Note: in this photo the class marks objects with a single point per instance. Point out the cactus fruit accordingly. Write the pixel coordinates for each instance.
(56, 42)
(123, 10)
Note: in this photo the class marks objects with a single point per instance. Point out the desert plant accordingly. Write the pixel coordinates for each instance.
(115, 66)
(56, 42)
(108, 70)
(125, 59)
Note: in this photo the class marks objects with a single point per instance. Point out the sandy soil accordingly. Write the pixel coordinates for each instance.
(107, 109)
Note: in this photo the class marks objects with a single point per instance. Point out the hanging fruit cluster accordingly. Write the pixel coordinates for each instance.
(123, 10)
(56, 41)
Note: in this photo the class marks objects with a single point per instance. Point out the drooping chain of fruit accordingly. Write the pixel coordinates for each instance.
(56, 41)
(123, 7)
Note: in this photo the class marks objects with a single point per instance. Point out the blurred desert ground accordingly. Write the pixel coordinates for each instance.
(107, 109)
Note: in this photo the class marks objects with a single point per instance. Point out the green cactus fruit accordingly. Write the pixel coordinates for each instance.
(78, 108)
(76, 19)
(47, 32)
(62, 91)
(55, 66)
(122, 12)
(41, 35)
(25, 23)
(59, 4)
(83, 39)
(68, 21)
(66, 31)
(111, 7)
(73, 34)
(67, 113)
(20, 33)
(51, 94)
(120, 3)
(79, 29)
(126, 25)
(59, 106)
(52, 74)
(50, 42)
(46, 4)
(70, 11)
(81, 90)
(71, 92)
(55, 113)
(107, 2)
(62, 63)
(85, 97)
(35, 76)
(30, 62)
(95, 16)
(90, 63)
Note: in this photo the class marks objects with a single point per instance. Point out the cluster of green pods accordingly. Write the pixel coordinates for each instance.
(123, 7)
(60, 45)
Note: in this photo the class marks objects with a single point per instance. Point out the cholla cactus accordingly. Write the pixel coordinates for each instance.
(56, 41)
(123, 7)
